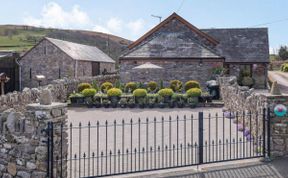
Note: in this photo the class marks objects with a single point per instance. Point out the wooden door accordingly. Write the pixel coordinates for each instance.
(95, 68)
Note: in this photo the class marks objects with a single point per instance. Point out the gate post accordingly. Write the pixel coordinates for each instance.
(49, 118)
(200, 137)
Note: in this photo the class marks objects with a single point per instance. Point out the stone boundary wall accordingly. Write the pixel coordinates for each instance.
(23, 142)
(60, 90)
(237, 98)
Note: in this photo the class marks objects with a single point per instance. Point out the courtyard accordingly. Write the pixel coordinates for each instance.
(105, 138)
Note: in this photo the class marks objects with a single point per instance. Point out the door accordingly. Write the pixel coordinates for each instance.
(95, 68)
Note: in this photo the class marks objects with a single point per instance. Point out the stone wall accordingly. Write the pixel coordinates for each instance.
(182, 70)
(240, 99)
(59, 88)
(23, 144)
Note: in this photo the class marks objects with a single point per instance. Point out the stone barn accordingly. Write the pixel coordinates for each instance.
(188, 53)
(56, 59)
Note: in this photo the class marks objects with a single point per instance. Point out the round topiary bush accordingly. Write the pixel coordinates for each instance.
(89, 92)
(191, 84)
(152, 85)
(114, 92)
(166, 92)
(194, 92)
(130, 86)
(83, 86)
(106, 86)
(247, 81)
(140, 92)
(176, 85)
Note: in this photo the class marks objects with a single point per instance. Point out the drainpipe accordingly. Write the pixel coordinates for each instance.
(76, 68)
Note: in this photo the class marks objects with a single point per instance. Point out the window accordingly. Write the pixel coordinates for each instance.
(30, 73)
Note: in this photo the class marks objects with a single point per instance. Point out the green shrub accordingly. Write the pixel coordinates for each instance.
(152, 86)
(161, 85)
(194, 92)
(165, 92)
(75, 95)
(247, 81)
(176, 85)
(130, 86)
(89, 92)
(106, 86)
(284, 67)
(140, 92)
(83, 86)
(114, 92)
(191, 84)
(95, 85)
(117, 84)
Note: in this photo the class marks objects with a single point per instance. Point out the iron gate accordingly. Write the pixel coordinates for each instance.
(129, 145)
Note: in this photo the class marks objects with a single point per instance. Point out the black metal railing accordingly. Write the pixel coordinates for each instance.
(127, 146)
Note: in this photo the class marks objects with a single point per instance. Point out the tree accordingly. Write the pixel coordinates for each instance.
(283, 52)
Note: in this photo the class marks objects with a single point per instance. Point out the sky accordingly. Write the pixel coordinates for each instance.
(130, 19)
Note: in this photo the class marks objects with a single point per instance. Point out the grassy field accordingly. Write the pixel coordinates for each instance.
(22, 38)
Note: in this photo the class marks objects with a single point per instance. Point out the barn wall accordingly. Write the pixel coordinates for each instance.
(182, 70)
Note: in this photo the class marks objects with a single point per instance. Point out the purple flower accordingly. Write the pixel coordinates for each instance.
(240, 127)
(229, 115)
(246, 132)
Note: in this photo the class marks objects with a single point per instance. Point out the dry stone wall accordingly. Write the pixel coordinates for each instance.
(23, 144)
(59, 89)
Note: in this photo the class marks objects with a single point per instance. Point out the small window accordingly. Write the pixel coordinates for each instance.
(59, 73)
(45, 50)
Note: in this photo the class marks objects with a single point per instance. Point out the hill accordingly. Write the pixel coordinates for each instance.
(22, 38)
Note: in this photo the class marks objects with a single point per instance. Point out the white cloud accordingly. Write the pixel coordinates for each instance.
(53, 15)
(115, 24)
(136, 26)
(99, 28)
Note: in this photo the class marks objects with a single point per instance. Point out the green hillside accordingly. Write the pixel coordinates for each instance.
(22, 38)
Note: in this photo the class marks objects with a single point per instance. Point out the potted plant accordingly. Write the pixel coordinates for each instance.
(97, 104)
(106, 86)
(142, 102)
(151, 100)
(161, 103)
(166, 93)
(123, 102)
(89, 94)
(83, 86)
(205, 97)
(76, 98)
(193, 95)
(97, 100)
(114, 96)
(130, 87)
(181, 100)
(176, 85)
(191, 102)
(139, 94)
(191, 84)
(152, 86)
(131, 103)
(105, 103)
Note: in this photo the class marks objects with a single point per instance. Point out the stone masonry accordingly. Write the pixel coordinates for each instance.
(23, 144)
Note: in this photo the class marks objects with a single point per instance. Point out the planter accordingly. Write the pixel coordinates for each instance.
(141, 106)
(131, 105)
(77, 100)
(97, 105)
(113, 105)
(114, 99)
(123, 105)
(194, 99)
(167, 99)
(192, 105)
(161, 105)
(151, 105)
(171, 105)
(89, 105)
(106, 105)
(205, 99)
(180, 105)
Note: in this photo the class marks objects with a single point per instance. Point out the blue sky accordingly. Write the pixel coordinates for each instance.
(131, 18)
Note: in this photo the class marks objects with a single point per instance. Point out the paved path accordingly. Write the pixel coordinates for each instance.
(281, 78)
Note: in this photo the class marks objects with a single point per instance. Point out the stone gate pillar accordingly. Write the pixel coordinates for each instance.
(279, 127)
(40, 116)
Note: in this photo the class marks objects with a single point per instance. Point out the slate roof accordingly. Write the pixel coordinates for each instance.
(171, 45)
(242, 44)
(81, 52)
